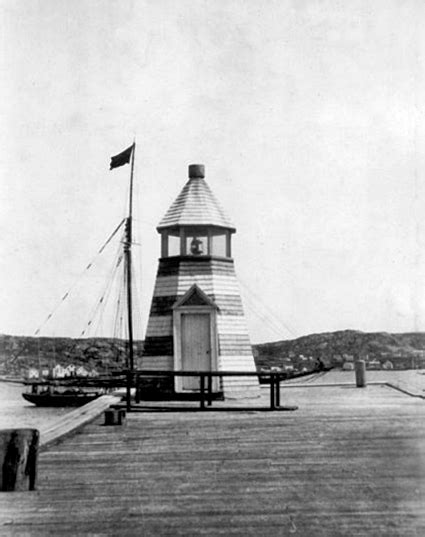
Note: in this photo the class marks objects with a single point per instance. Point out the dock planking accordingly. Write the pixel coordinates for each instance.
(348, 462)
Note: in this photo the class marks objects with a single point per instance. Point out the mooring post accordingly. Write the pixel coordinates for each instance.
(109, 416)
(120, 416)
(202, 381)
(272, 391)
(114, 416)
(360, 369)
(18, 459)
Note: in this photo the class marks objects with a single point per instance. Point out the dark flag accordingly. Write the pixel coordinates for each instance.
(122, 158)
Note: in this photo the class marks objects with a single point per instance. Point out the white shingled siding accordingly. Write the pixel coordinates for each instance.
(209, 283)
(237, 363)
(232, 324)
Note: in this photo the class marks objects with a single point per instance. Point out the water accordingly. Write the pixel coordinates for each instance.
(16, 412)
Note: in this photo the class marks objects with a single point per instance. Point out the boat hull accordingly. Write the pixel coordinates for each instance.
(60, 400)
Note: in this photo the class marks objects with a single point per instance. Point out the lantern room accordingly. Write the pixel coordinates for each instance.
(196, 241)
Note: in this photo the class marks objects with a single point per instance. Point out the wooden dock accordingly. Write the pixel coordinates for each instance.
(348, 462)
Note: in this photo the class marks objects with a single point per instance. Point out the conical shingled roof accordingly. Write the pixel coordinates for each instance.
(196, 205)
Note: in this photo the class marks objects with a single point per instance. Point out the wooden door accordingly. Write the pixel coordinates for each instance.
(196, 346)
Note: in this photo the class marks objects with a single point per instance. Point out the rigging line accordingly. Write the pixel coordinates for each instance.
(112, 236)
(120, 307)
(264, 317)
(65, 296)
(117, 314)
(105, 297)
(267, 308)
(99, 298)
(113, 280)
(267, 322)
(121, 331)
(124, 326)
(137, 306)
(105, 290)
(271, 315)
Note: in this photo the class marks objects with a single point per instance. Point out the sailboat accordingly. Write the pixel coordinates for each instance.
(62, 393)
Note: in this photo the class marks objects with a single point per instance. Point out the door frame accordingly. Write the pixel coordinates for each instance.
(178, 312)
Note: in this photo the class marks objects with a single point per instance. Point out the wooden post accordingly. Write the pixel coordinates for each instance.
(202, 379)
(128, 391)
(360, 368)
(272, 391)
(209, 390)
(137, 394)
(120, 416)
(277, 388)
(18, 459)
(182, 242)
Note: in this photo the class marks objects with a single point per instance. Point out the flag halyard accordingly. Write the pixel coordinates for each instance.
(122, 158)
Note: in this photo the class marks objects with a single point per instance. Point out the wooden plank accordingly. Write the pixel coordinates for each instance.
(349, 462)
(75, 419)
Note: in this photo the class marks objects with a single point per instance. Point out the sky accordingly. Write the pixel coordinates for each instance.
(308, 116)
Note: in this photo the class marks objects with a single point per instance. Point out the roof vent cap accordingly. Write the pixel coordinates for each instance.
(196, 170)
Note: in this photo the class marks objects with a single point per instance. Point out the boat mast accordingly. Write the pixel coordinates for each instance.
(127, 258)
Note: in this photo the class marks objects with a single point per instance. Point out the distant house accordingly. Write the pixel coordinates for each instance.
(93, 373)
(33, 373)
(374, 364)
(388, 365)
(70, 370)
(45, 372)
(81, 371)
(58, 372)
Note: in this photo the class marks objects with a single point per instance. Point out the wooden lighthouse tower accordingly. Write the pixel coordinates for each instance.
(196, 321)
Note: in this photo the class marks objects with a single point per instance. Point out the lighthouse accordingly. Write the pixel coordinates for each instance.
(196, 320)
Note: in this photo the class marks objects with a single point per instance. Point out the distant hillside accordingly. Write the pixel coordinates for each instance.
(18, 353)
(337, 347)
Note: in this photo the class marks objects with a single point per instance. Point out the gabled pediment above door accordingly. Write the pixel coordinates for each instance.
(195, 297)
